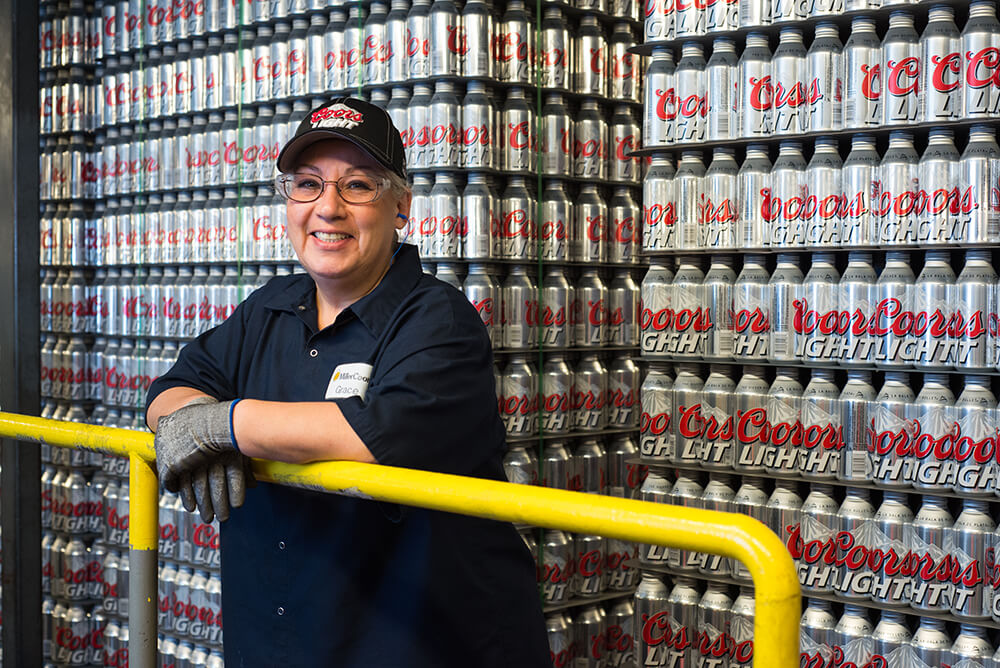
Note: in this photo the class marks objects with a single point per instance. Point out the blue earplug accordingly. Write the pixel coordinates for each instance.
(399, 215)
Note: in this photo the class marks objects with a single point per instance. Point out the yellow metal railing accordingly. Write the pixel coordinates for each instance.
(778, 602)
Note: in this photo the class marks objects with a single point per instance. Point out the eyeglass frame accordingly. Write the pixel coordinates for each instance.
(383, 183)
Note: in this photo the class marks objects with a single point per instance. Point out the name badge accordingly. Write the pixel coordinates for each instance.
(349, 380)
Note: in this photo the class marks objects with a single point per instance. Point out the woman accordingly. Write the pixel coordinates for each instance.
(363, 358)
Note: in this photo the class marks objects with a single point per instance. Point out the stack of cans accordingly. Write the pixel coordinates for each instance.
(896, 199)
(593, 635)
(939, 76)
(941, 316)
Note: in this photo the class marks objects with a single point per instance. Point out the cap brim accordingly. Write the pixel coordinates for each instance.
(293, 149)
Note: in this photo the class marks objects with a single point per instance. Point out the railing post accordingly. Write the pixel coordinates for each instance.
(142, 558)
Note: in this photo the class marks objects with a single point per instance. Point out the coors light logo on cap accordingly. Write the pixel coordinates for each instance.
(336, 115)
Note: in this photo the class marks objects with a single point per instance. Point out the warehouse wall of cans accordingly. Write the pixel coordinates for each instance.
(159, 128)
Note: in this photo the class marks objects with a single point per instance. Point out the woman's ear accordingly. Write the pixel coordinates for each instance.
(403, 209)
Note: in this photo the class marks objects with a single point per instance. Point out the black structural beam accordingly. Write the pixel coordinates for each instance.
(20, 480)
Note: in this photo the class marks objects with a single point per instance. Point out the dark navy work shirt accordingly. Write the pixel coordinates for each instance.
(314, 579)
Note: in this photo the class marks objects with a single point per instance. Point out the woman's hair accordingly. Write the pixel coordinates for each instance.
(397, 184)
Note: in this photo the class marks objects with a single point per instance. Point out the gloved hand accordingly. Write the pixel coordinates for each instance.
(196, 456)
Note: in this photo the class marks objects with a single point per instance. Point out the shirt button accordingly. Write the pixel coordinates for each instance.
(301, 307)
(281, 545)
(313, 352)
(281, 611)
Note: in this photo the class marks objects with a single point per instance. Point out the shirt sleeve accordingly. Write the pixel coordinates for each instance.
(431, 402)
(209, 363)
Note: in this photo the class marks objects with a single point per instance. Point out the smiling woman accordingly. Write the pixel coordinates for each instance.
(366, 358)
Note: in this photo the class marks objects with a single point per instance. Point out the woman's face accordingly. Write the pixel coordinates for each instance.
(336, 242)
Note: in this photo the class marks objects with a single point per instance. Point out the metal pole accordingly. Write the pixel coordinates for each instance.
(142, 558)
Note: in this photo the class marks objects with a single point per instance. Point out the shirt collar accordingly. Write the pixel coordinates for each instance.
(374, 309)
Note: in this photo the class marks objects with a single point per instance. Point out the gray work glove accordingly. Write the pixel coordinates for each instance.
(196, 457)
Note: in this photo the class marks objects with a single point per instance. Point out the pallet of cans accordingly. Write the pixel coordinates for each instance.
(941, 317)
(595, 635)
(899, 199)
(939, 76)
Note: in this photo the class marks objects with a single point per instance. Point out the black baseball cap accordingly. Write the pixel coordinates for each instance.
(363, 124)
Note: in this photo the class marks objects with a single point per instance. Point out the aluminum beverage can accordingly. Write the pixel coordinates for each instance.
(853, 580)
(937, 172)
(788, 69)
(718, 209)
(855, 401)
(444, 139)
(689, 183)
(975, 438)
(553, 315)
(928, 538)
(624, 138)
(930, 643)
(754, 89)
(940, 89)
(816, 637)
(933, 417)
(784, 288)
(519, 398)
(624, 68)
(976, 312)
(971, 647)
(517, 226)
(750, 415)
(894, 298)
(588, 310)
(717, 299)
(447, 49)
(687, 492)
(822, 434)
(589, 630)
(653, 623)
(857, 302)
(623, 393)
(590, 579)
(625, 475)
(816, 313)
(980, 95)
(334, 51)
(750, 500)
(655, 428)
(934, 297)
(620, 641)
(416, 137)
(623, 308)
(689, 20)
(979, 171)
(555, 465)
(782, 429)
(891, 639)
(863, 99)
(479, 212)
(554, 50)
(888, 423)
(477, 24)
(718, 495)
(520, 466)
(782, 206)
(720, 76)
(891, 585)
(656, 311)
(824, 80)
(783, 509)
(751, 322)
(418, 34)
(556, 141)
(823, 203)
(659, 210)
(519, 140)
(557, 217)
(716, 420)
(558, 567)
(972, 543)
(685, 404)
(395, 41)
(518, 296)
(713, 622)
(441, 238)
(691, 103)
(514, 45)
(683, 607)
(894, 197)
(753, 183)
(658, 20)
(655, 488)
(814, 538)
(590, 391)
(690, 317)
(590, 142)
(478, 140)
(556, 393)
(900, 71)
(587, 472)
(659, 100)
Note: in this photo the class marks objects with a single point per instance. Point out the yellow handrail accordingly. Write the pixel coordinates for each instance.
(778, 598)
